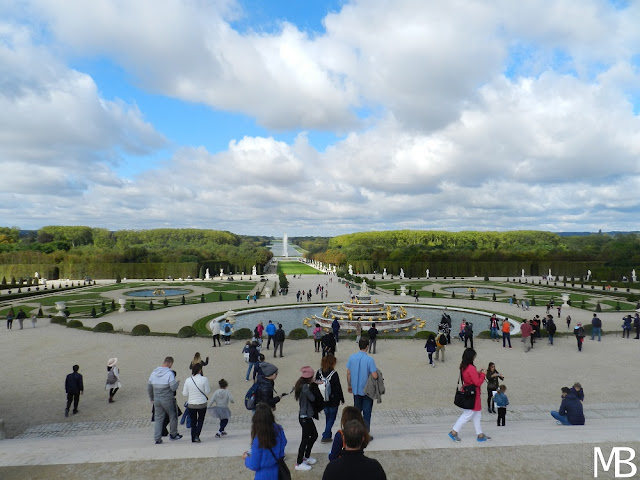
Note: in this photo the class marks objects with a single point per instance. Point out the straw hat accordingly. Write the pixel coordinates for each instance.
(112, 362)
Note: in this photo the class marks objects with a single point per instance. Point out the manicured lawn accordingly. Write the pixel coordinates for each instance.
(291, 268)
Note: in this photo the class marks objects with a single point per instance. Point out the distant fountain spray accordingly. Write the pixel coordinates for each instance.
(285, 245)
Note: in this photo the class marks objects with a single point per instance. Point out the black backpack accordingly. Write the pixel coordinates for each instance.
(227, 329)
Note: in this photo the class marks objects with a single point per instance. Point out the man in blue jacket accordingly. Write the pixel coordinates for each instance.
(570, 412)
(271, 331)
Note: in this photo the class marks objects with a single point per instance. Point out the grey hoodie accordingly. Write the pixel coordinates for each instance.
(162, 384)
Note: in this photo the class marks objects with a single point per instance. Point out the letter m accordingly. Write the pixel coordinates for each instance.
(614, 456)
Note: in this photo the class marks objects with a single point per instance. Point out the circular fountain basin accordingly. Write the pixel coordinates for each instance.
(158, 292)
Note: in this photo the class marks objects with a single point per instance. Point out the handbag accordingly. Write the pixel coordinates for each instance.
(466, 397)
(283, 470)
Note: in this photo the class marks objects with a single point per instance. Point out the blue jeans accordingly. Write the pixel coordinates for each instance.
(550, 339)
(506, 336)
(365, 405)
(253, 365)
(494, 333)
(330, 414)
(596, 331)
(561, 418)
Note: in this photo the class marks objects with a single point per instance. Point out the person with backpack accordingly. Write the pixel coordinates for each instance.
(317, 337)
(308, 395)
(578, 331)
(262, 390)
(113, 378)
(227, 328)
(278, 340)
(431, 347)
(441, 342)
(331, 390)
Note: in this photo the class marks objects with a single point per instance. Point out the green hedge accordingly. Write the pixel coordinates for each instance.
(243, 334)
(424, 334)
(186, 332)
(59, 320)
(298, 334)
(74, 324)
(140, 330)
(103, 327)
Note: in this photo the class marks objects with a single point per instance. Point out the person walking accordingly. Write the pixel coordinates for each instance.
(328, 344)
(470, 376)
(197, 359)
(327, 377)
(306, 392)
(335, 326)
(636, 324)
(215, 332)
(253, 360)
(278, 340)
(113, 378)
(626, 326)
(441, 343)
(526, 331)
(358, 329)
(596, 327)
(220, 404)
(20, 317)
(271, 331)
(161, 387)
(196, 388)
(227, 328)
(578, 331)
(74, 387)
(551, 329)
(10, 319)
(267, 444)
(468, 334)
(431, 347)
(359, 367)
(373, 335)
(317, 337)
(493, 379)
(506, 333)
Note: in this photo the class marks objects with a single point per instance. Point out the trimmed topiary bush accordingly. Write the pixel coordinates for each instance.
(220, 297)
(103, 307)
(186, 332)
(140, 330)
(183, 301)
(40, 314)
(242, 334)
(74, 324)
(93, 312)
(150, 304)
(202, 298)
(59, 320)
(298, 334)
(598, 307)
(165, 302)
(113, 305)
(103, 327)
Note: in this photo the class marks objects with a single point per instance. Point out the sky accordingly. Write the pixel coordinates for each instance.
(320, 117)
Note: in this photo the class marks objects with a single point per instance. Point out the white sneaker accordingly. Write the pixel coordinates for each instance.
(303, 467)
(309, 461)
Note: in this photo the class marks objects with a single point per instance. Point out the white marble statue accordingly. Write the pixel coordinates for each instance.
(633, 275)
(403, 290)
(384, 272)
(364, 288)
(254, 271)
(350, 269)
(427, 273)
(588, 275)
(401, 273)
(207, 276)
(523, 273)
(549, 277)
(221, 272)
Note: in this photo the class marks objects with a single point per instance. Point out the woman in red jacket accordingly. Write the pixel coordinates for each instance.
(470, 376)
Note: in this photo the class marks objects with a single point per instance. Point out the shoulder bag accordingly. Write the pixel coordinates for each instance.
(465, 397)
(283, 470)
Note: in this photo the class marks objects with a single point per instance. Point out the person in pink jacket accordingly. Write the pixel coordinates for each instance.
(470, 376)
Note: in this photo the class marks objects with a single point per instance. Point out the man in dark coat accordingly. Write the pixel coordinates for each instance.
(352, 463)
(74, 387)
(328, 344)
(570, 412)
